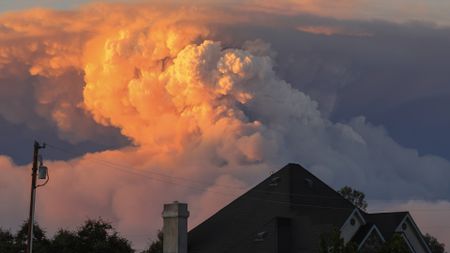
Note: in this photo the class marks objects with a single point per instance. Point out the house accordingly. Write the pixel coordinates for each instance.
(286, 213)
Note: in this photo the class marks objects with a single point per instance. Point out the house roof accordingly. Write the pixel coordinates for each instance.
(291, 193)
(291, 203)
(362, 233)
(386, 222)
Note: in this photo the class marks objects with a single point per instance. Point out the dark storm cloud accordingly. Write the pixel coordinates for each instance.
(17, 139)
(46, 108)
(394, 74)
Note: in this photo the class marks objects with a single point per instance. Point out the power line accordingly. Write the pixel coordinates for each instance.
(203, 183)
(183, 179)
(183, 182)
(227, 194)
(134, 172)
(117, 165)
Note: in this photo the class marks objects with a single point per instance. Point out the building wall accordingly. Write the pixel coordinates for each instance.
(351, 226)
(411, 235)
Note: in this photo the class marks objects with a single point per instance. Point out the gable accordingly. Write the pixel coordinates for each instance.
(351, 226)
(387, 223)
(412, 235)
(372, 242)
(399, 223)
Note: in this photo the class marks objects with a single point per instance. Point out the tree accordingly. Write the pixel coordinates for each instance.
(434, 245)
(395, 245)
(98, 236)
(333, 243)
(6, 241)
(157, 245)
(40, 242)
(65, 241)
(354, 196)
(95, 236)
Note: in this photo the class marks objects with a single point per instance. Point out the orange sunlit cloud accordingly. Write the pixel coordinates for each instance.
(153, 74)
(330, 30)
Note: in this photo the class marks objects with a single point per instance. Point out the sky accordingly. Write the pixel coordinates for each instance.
(202, 101)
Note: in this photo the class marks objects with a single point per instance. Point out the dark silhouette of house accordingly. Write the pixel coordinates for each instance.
(289, 211)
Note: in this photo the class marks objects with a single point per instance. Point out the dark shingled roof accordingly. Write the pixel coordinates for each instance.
(291, 203)
(362, 233)
(287, 212)
(386, 222)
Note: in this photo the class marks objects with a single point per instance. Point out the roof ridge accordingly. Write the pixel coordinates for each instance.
(387, 212)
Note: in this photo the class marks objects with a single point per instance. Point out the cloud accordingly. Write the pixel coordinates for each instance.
(417, 10)
(202, 114)
(329, 30)
(399, 11)
(41, 76)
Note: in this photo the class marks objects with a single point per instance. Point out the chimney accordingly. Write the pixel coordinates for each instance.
(175, 227)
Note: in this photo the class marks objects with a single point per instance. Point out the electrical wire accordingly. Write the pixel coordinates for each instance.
(200, 184)
(183, 179)
(46, 181)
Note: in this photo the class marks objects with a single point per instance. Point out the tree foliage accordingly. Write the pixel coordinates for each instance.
(40, 241)
(95, 236)
(434, 245)
(395, 245)
(332, 242)
(354, 196)
(65, 241)
(6, 241)
(157, 245)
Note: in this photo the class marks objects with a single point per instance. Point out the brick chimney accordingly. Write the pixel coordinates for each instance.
(175, 217)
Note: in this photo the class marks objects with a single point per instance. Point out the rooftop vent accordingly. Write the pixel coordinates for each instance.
(260, 236)
(309, 182)
(274, 181)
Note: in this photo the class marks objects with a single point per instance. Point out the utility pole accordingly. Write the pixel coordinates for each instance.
(37, 146)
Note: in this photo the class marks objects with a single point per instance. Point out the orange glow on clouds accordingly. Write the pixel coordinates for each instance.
(331, 30)
(152, 73)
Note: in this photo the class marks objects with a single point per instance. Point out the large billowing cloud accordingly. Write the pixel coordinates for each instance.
(207, 117)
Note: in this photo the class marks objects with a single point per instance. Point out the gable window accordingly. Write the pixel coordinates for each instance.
(404, 226)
